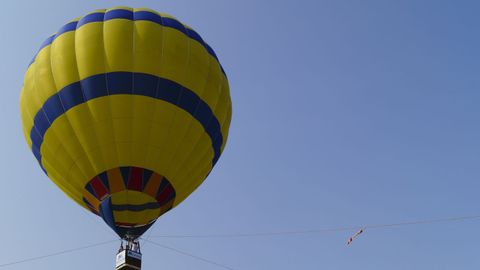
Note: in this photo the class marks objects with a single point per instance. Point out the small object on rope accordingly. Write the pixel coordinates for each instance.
(350, 240)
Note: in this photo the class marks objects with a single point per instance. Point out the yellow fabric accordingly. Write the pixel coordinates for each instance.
(134, 198)
(125, 130)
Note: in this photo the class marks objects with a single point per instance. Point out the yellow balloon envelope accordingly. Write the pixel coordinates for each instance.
(127, 111)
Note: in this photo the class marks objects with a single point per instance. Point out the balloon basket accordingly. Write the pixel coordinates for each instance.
(129, 257)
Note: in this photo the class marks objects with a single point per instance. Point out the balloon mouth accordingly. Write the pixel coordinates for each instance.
(129, 199)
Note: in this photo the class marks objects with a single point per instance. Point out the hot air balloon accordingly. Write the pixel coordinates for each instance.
(127, 111)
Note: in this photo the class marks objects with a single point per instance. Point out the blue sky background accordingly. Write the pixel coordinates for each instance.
(345, 113)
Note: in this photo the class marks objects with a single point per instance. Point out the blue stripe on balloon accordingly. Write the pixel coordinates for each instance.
(71, 26)
(107, 214)
(194, 35)
(53, 107)
(94, 86)
(36, 152)
(37, 141)
(148, 16)
(146, 177)
(120, 83)
(135, 207)
(118, 14)
(132, 16)
(140, 84)
(41, 123)
(145, 85)
(35, 137)
(90, 18)
(172, 23)
(71, 96)
(125, 172)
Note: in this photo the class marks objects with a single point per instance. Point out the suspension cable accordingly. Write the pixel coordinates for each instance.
(322, 230)
(189, 255)
(56, 253)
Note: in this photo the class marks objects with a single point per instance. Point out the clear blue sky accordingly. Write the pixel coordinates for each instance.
(345, 113)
